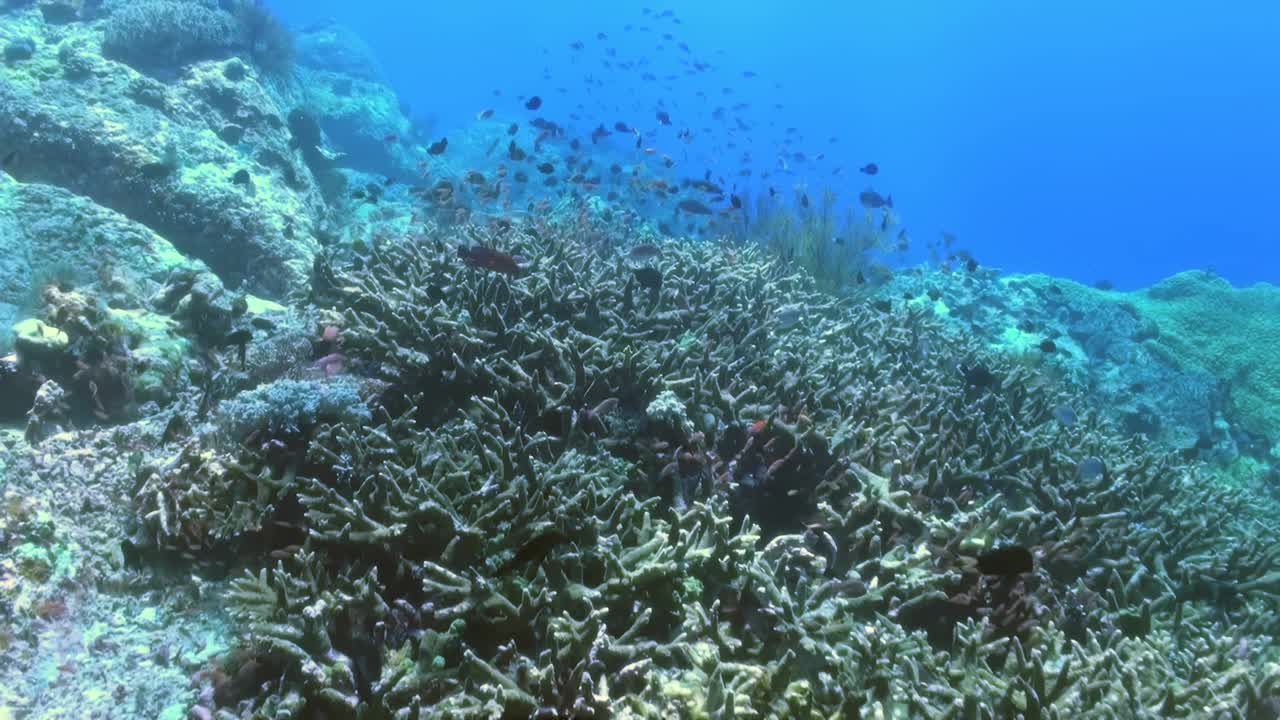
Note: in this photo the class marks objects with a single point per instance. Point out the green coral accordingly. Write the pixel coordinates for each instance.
(1231, 332)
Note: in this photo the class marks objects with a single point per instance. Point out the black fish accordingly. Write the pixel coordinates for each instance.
(649, 278)
(534, 103)
(872, 199)
(546, 168)
(9, 158)
(804, 200)
(735, 201)
(438, 146)
(695, 207)
(485, 114)
(978, 376)
(621, 127)
(514, 152)
(157, 170)
(534, 551)
(242, 178)
(615, 168)
(521, 177)
(663, 117)
(869, 169)
(515, 127)
(1007, 560)
(1048, 346)
(575, 144)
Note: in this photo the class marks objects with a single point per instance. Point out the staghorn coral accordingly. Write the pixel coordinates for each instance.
(513, 534)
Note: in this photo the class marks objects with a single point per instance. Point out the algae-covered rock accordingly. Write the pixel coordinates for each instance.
(342, 87)
(48, 234)
(152, 151)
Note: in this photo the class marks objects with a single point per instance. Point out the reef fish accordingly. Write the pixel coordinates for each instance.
(534, 550)
(479, 256)
(694, 207)
(645, 250)
(872, 199)
(1007, 560)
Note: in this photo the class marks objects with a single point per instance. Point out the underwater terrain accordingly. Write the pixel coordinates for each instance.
(312, 409)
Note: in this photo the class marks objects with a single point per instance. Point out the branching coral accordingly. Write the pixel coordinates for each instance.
(562, 507)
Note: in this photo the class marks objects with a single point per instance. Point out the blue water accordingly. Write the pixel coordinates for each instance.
(1087, 139)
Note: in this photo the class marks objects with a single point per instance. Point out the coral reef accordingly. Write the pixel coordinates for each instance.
(1185, 362)
(541, 467)
(562, 507)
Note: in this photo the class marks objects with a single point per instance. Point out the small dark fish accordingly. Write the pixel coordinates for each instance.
(520, 176)
(1105, 285)
(645, 250)
(9, 158)
(663, 117)
(358, 195)
(869, 169)
(735, 201)
(639, 141)
(649, 278)
(1048, 346)
(978, 376)
(575, 144)
(804, 200)
(872, 199)
(438, 146)
(479, 256)
(615, 168)
(621, 127)
(1090, 469)
(514, 152)
(1065, 415)
(485, 114)
(390, 138)
(546, 168)
(242, 178)
(533, 103)
(513, 129)
(157, 170)
(534, 551)
(838, 240)
(1007, 560)
(598, 133)
(694, 207)
(971, 265)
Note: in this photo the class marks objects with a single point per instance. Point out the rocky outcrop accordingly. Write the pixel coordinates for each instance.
(204, 160)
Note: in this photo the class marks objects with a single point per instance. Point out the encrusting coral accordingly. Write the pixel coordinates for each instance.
(578, 497)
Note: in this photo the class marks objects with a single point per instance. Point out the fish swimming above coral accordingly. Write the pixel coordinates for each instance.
(479, 256)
